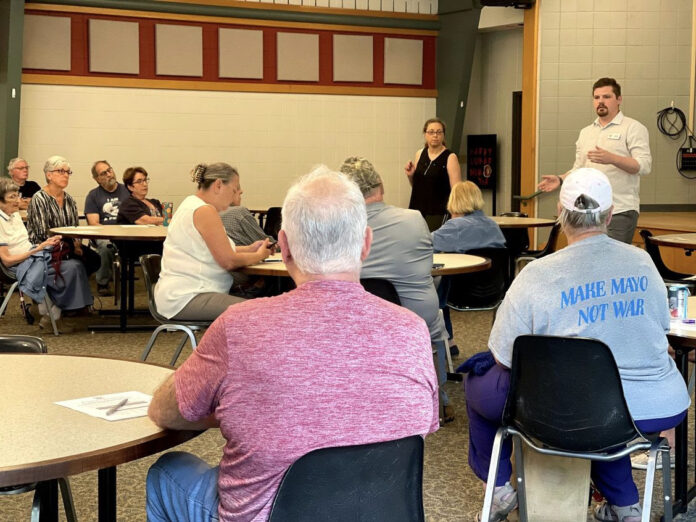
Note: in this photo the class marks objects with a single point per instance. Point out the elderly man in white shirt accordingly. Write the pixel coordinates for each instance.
(619, 147)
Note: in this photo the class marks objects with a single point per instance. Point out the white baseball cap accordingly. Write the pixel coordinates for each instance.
(590, 183)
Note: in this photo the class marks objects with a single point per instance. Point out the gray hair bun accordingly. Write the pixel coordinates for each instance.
(198, 173)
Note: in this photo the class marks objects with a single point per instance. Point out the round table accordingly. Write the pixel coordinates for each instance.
(522, 222)
(43, 441)
(120, 235)
(685, 241)
(453, 264)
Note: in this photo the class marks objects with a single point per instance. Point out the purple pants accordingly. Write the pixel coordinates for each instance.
(485, 400)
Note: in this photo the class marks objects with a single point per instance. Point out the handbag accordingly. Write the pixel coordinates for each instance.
(66, 250)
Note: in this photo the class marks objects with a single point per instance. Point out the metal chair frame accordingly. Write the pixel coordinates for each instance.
(188, 327)
(8, 277)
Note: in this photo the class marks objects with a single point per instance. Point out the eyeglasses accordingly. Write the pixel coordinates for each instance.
(62, 171)
(12, 196)
(26, 167)
(107, 171)
(434, 132)
(139, 181)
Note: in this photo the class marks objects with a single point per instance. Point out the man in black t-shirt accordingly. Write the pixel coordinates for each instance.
(18, 170)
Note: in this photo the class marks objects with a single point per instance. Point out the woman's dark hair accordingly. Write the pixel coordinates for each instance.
(129, 175)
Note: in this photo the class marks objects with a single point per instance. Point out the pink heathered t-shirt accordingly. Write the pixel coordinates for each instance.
(327, 364)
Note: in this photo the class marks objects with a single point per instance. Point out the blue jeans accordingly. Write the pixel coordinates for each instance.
(181, 487)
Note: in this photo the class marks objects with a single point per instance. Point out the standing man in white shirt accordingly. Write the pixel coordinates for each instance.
(619, 147)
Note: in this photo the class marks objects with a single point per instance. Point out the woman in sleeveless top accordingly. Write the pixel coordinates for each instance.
(198, 256)
(433, 174)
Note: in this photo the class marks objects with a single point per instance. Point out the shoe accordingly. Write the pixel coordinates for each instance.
(104, 290)
(63, 327)
(448, 413)
(640, 460)
(504, 501)
(609, 513)
(454, 350)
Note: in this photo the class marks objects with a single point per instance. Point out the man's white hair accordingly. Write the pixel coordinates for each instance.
(325, 221)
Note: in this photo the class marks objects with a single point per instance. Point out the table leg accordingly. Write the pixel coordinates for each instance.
(107, 494)
(46, 501)
(680, 500)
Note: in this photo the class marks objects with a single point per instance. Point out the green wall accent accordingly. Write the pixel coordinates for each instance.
(456, 43)
(253, 13)
(11, 30)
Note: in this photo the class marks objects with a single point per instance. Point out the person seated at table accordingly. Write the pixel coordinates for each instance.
(66, 283)
(53, 207)
(401, 253)
(198, 256)
(305, 399)
(18, 170)
(241, 226)
(138, 209)
(468, 229)
(543, 300)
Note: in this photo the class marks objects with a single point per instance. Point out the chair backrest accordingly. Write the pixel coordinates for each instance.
(273, 222)
(551, 243)
(22, 344)
(654, 250)
(514, 214)
(152, 265)
(381, 481)
(381, 288)
(566, 393)
(482, 289)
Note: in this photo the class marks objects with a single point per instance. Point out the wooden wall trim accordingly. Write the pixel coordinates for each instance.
(302, 8)
(99, 81)
(530, 59)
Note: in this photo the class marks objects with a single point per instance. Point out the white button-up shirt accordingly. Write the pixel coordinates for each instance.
(623, 136)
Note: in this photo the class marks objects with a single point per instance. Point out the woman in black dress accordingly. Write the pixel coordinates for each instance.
(433, 174)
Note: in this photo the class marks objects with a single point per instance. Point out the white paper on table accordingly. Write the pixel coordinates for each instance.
(679, 323)
(98, 405)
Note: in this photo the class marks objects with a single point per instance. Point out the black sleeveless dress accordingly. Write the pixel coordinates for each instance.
(431, 186)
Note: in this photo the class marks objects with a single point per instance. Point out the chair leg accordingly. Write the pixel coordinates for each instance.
(650, 479)
(49, 305)
(151, 342)
(188, 336)
(446, 341)
(6, 301)
(441, 402)
(521, 481)
(68, 503)
(492, 473)
(666, 483)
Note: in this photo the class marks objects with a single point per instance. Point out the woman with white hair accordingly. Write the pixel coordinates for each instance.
(198, 256)
(66, 283)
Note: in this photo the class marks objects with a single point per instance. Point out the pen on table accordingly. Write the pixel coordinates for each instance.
(689, 321)
(117, 407)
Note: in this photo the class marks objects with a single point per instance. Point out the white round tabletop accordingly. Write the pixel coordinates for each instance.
(114, 232)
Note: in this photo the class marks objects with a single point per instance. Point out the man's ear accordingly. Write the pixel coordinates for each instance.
(367, 244)
(284, 248)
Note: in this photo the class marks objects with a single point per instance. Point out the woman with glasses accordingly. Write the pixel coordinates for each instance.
(433, 173)
(138, 209)
(53, 207)
(66, 283)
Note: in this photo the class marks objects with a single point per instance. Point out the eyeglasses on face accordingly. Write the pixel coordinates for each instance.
(12, 196)
(25, 167)
(62, 171)
(105, 172)
(434, 132)
(139, 181)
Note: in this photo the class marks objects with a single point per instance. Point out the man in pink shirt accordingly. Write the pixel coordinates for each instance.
(346, 368)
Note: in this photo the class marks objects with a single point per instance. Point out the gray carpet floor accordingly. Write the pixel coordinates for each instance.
(451, 491)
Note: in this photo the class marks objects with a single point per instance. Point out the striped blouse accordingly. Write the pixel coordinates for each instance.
(44, 213)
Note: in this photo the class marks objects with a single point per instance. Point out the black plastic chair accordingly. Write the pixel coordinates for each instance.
(481, 290)
(531, 255)
(151, 265)
(381, 481)
(273, 222)
(381, 288)
(9, 278)
(566, 399)
(668, 276)
(31, 344)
